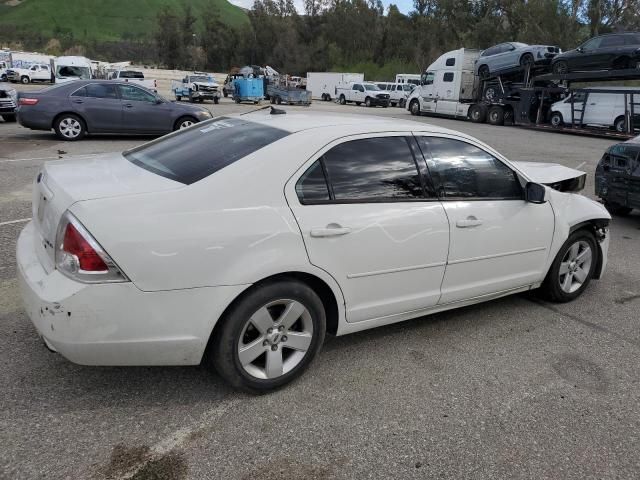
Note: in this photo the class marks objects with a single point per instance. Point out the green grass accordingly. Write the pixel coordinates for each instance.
(104, 20)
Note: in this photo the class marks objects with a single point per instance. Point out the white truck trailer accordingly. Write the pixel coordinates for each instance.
(323, 85)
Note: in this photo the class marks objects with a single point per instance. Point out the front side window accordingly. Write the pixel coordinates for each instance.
(463, 171)
(373, 169)
(592, 44)
(371, 86)
(101, 90)
(448, 77)
(428, 78)
(195, 153)
(131, 93)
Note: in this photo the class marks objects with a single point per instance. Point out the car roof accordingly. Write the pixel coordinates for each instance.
(348, 123)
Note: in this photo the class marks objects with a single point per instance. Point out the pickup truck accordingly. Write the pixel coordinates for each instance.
(196, 87)
(39, 72)
(367, 93)
(8, 103)
(134, 77)
(3, 71)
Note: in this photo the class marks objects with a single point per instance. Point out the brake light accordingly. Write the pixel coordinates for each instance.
(80, 257)
(27, 101)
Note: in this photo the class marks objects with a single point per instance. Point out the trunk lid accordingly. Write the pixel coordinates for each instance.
(60, 184)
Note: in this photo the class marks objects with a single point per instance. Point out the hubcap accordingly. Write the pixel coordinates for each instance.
(70, 127)
(555, 120)
(620, 126)
(275, 339)
(575, 267)
(185, 124)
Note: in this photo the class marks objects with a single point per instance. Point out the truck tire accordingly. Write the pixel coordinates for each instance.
(178, 98)
(496, 115)
(414, 107)
(3, 78)
(620, 124)
(556, 120)
(225, 94)
(367, 102)
(24, 79)
(343, 100)
(216, 100)
(9, 117)
(477, 113)
(191, 99)
(278, 100)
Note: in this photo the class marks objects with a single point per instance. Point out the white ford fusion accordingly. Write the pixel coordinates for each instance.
(242, 240)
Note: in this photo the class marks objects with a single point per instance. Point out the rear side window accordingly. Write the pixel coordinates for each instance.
(130, 74)
(101, 90)
(633, 39)
(312, 186)
(450, 62)
(200, 151)
(612, 41)
(462, 170)
(373, 170)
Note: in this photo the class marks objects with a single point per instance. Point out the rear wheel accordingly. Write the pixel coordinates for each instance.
(573, 268)
(3, 77)
(358, 103)
(367, 102)
(184, 122)
(178, 98)
(556, 120)
(496, 115)
(343, 100)
(216, 100)
(269, 337)
(560, 67)
(226, 94)
(69, 127)
(526, 60)
(620, 124)
(414, 107)
(477, 113)
(403, 103)
(278, 101)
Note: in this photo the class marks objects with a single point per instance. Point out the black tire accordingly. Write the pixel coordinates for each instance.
(224, 355)
(495, 116)
(191, 99)
(226, 94)
(323, 97)
(414, 107)
(620, 124)
(327, 97)
(9, 117)
(367, 102)
(216, 100)
(272, 100)
(551, 288)
(491, 93)
(237, 99)
(526, 59)
(343, 100)
(178, 98)
(483, 72)
(402, 103)
(560, 67)
(477, 113)
(278, 101)
(556, 120)
(617, 209)
(183, 122)
(358, 104)
(24, 79)
(69, 127)
(3, 78)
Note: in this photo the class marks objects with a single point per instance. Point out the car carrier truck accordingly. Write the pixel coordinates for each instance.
(524, 95)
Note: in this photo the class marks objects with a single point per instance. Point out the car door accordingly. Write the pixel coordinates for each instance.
(498, 241)
(141, 112)
(100, 106)
(368, 219)
(427, 92)
(446, 92)
(617, 168)
(599, 109)
(586, 56)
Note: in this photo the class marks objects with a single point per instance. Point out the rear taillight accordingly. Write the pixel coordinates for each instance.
(27, 101)
(80, 257)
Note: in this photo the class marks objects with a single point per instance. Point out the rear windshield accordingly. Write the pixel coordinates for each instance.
(203, 149)
(131, 74)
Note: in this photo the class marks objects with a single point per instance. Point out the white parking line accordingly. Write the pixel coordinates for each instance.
(579, 166)
(11, 222)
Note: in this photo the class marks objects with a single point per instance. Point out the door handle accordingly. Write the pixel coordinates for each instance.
(78, 101)
(470, 221)
(128, 105)
(331, 230)
(592, 103)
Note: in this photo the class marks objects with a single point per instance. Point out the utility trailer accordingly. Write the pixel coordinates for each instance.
(519, 96)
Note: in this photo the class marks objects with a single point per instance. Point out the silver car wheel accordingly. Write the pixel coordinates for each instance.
(185, 124)
(575, 266)
(70, 127)
(275, 339)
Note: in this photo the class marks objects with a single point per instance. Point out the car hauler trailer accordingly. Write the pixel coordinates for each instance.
(520, 96)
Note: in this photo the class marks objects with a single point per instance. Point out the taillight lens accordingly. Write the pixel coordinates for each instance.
(80, 257)
(27, 101)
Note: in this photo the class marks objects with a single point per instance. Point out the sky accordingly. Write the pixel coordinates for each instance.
(405, 6)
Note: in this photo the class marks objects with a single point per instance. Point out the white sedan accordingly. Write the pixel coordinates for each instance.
(240, 241)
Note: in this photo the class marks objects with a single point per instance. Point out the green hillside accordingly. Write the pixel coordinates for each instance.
(103, 20)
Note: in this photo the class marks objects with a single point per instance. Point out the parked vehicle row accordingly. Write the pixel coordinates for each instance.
(617, 181)
(362, 92)
(103, 106)
(289, 247)
(136, 77)
(398, 92)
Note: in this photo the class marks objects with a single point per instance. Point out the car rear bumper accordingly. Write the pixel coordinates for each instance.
(33, 119)
(116, 324)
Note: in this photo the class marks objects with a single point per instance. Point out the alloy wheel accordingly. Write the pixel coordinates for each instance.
(575, 266)
(70, 127)
(275, 339)
(186, 124)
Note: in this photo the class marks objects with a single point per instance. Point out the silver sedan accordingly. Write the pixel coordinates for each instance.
(505, 56)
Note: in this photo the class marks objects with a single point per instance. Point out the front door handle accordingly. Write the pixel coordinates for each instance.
(78, 101)
(331, 230)
(128, 105)
(468, 222)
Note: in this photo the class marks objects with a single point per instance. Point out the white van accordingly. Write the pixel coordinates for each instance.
(398, 92)
(600, 109)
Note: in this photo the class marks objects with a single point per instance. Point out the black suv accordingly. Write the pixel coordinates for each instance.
(8, 103)
(615, 51)
(618, 177)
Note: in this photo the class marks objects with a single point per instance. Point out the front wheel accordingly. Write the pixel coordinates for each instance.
(367, 102)
(560, 67)
(556, 120)
(25, 80)
(343, 100)
(226, 94)
(620, 125)
(69, 127)
(483, 72)
(269, 337)
(178, 98)
(184, 122)
(216, 100)
(572, 269)
(414, 107)
(526, 60)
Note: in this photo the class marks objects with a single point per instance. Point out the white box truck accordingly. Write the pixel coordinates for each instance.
(323, 85)
(68, 69)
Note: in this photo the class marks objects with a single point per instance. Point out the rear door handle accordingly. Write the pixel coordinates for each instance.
(331, 230)
(468, 222)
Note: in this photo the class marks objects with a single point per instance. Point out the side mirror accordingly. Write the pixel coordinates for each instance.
(579, 49)
(535, 193)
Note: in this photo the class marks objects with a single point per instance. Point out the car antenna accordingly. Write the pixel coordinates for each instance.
(274, 111)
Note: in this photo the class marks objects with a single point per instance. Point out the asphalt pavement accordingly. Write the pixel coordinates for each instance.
(509, 389)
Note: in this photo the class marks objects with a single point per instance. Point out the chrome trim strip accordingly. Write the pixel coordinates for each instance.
(395, 270)
(496, 255)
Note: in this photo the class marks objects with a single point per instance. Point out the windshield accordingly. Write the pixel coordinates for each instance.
(199, 78)
(371, 86)
(197, 152)
(71, 71)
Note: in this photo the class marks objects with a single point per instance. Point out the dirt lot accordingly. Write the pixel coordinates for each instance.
(515, 388)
